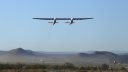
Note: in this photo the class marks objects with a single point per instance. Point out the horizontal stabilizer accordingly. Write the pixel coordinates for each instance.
(53, 22)
(70, 22)
(50, 22)
(67, 22)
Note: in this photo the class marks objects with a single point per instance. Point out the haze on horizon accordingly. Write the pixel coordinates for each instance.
(107, 31)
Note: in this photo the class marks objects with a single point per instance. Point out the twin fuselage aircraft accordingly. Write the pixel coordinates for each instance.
(55, 19)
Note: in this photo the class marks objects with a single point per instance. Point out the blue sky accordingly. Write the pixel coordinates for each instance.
(107, 31)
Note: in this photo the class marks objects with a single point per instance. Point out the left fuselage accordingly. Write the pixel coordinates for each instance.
(54, 21)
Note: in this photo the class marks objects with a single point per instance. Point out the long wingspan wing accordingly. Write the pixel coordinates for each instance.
(62, 18)
(81, 18)
(44, 18)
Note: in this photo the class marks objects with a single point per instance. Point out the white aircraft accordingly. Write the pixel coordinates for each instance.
(55, 19)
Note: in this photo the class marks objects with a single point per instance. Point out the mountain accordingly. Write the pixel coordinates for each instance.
(21, 51)
(28, 56)
(98, 53)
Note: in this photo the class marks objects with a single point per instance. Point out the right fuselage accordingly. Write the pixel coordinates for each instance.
(71, 21)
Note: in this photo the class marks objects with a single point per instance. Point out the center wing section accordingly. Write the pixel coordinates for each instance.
(63, 18)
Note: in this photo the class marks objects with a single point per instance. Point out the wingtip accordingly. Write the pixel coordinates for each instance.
(34, 18)
(92, 18)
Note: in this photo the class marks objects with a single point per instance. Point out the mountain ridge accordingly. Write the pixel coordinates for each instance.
(29, 56)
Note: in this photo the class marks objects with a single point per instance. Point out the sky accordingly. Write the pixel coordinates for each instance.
(108, 31)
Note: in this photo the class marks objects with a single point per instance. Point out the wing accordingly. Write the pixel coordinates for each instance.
(81, 18)
(52, 18)
(44, 18)
(73, 18)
